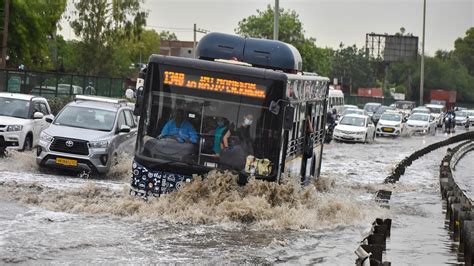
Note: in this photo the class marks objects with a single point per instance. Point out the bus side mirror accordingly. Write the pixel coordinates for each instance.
(138, 105)
(288, 118)
(274, 108)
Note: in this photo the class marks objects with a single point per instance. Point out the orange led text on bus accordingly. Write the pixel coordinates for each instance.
(214, 84)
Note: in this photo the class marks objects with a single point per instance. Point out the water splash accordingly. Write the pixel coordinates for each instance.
(216, 199)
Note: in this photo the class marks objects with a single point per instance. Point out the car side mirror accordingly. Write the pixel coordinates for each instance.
(124, 129)
(38, 115)
(49, 120)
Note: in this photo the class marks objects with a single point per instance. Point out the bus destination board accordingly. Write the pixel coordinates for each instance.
(201, 82)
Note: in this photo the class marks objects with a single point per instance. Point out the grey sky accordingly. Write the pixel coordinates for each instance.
(329, 21)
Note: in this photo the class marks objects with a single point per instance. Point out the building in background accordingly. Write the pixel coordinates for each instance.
(177, 48)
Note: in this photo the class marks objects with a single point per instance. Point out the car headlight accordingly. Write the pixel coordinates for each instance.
(99, 144)
(360, 133)
(46, 137)
(337, 131)
(14, 128)
(397, 125)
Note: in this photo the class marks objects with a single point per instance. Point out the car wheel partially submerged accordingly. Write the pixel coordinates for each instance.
(28, 145)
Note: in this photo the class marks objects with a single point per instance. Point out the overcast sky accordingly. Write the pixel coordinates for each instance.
(329, 21)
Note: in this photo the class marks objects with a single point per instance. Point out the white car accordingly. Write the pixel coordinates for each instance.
(420, 123)
(437, 110)
(470, 113)
(22, 118)
(390, 124)
(461, 118)
(355, 128)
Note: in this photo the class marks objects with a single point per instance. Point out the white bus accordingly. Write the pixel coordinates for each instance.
(335, 100)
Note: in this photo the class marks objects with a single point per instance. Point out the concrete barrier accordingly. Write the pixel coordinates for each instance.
(459, 206)
(400, 168)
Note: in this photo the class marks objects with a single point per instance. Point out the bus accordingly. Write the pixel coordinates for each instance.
(336, 100)
(243, 106)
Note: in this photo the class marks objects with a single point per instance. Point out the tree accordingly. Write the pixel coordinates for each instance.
(464, 50)
(32, 24)
(290, 31)
(352, 68)
(101, 25)
(168, 36)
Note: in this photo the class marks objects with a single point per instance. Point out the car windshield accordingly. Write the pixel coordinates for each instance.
(405, 105)
(353, 111)
(461, 113)
(419, 117)
(83, 117)
(381, 109)
(435, 110)
(391, 117)
(14, 107)
(421, 111)
(371, 107)
(353, 121)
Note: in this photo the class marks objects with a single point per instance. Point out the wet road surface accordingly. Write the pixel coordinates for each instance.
(48, 217)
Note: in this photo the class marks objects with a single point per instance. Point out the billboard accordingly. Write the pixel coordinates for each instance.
(391, 48)
(400, 48)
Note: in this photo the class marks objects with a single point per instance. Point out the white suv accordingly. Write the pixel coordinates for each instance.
(22, 118)
(88, 135)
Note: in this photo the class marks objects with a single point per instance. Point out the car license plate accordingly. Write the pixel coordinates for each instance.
(387, 129)
(66, 162)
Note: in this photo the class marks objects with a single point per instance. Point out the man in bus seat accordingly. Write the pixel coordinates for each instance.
(180, 129)
(221, 135)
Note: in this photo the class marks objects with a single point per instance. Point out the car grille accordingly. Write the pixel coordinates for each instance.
(348, 132)
(79, 147)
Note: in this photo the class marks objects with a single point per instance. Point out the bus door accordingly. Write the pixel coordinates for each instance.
(308, 141)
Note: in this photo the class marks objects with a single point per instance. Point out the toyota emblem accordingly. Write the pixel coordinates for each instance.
(69, 143)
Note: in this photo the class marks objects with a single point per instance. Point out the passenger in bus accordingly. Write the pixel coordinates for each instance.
(179, 129)
(221, 135)
(243, 131)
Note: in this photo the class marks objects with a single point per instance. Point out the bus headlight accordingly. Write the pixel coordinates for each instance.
(99, 144)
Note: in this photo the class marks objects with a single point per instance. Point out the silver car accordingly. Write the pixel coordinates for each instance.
(88, 135)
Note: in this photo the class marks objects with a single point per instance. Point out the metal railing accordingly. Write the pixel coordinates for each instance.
(54, 84)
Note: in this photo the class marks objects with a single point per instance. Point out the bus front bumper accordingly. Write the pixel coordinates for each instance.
(148, 182)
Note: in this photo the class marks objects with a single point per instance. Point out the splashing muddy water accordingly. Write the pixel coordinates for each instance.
(216, 199)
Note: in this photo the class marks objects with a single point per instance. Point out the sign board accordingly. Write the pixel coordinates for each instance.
(14, 84)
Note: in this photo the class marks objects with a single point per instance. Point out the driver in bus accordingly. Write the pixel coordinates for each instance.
(180, 129)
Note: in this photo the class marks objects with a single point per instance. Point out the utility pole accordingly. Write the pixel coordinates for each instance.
(5, 33)
(276, 17)
(422, 78)
(196, 30)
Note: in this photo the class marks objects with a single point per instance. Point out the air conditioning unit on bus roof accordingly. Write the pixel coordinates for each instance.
(257, 52)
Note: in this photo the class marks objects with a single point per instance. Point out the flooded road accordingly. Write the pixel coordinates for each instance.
(48, 217)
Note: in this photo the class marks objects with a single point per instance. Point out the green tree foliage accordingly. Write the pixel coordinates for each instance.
(32, 25)
(352, 68)
(101, 25)
(168, 36)
(290, 31)
(464, 50)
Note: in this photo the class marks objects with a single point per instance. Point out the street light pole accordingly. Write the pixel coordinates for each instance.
(5, 33)
(196, 30)
(422, 76)
(276, 17)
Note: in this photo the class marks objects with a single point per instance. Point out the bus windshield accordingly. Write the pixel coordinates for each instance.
(205, 128)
